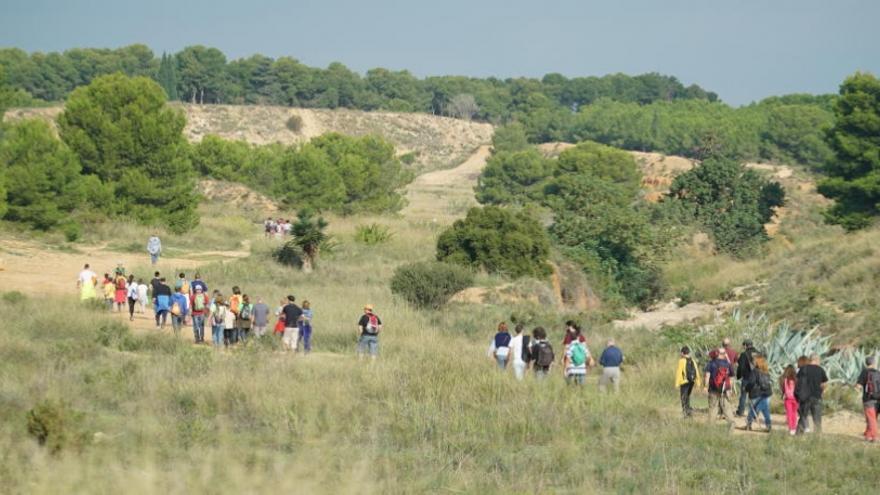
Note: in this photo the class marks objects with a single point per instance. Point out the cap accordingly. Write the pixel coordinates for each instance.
(747, 342)
(198, 288)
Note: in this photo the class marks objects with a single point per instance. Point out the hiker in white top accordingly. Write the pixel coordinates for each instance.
(519, 347)
(577, 355)
(154, 247)
(142, 295)
(86, 282)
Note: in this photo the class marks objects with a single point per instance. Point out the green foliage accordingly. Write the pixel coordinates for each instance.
(731, 202)
(430, 284)
(42, 176)
(125, 135)
(514, 177)
(854, 174)
(602, 162)
(373, 234)
(55, 425)
(308, 239)
(511, 137)
(497, 240)
(294, 123)
(167, 76)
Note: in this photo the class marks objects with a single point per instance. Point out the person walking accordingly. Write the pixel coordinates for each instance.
(717, 379)
(687, 377)
(218, 320)
(86, 282)
(869, 380)
(154, 247)
(245, 318)
(229, 329)
(234, 307)
(142, 296)
(611, 359)
(811, 383)
(261, 318)
(291, 314)
(787, 384)
(572, 331)
(760, 393)
(198, 282)
(519, 351)
(162, 303)
(305, 328)
(542, 353)
(200, 304)
(499, 348)
(575, 360)
(179, 310)
(182, 284)
(120, 294)
(369, 326)
(132, 296)
(109, 290)
(743, 368)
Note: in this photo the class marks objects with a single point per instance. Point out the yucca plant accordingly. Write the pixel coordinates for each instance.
(373, 234)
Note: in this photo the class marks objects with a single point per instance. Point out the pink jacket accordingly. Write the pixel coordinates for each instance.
(788, 390)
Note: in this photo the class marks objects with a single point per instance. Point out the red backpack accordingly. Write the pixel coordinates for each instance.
(719, 381)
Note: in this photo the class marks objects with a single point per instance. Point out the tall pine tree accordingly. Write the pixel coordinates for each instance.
(168, 76)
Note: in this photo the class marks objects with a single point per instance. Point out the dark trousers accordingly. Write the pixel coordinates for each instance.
(743, 397)
(131, 304)
(161, 318)
(684, 392)
(811, 407)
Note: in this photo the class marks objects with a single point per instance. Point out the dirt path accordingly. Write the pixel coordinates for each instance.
(35, 269)
(445, 195)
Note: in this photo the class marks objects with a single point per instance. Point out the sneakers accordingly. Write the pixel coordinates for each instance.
(792, 432)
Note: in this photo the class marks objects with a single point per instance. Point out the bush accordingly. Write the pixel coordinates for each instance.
(13, 297)
(289, 254)
(54, 425)
(497, 240)
(373, 234)
(430, 284)
(294, 123)
(72, 231)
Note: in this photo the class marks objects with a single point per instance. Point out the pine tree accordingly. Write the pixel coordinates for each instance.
(168, 76)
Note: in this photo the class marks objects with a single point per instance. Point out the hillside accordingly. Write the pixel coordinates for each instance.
(436, 142)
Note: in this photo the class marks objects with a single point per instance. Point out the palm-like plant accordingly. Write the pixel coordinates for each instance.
(308, 235)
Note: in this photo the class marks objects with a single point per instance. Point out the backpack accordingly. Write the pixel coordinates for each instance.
(719, 381)
(245, 312)
(690, 371)
(526, 350)
(234, 303)
(578, 353)
(199, 303)
(762, 382)
(175, 309)
(543, 354)
(219, 315)
(872, 385)
(372, 324)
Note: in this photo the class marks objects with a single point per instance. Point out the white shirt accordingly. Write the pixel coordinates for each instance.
(86, 276)
(516, 347)
(571, 368)
(133, 290)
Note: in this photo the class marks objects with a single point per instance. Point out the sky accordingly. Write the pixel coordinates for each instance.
(744, 50)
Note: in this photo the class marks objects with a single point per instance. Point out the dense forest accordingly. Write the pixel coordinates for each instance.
(649, 112)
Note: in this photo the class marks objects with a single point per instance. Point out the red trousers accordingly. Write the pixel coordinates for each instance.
(871, 422)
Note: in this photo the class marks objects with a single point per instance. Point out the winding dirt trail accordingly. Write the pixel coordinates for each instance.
(445, 195)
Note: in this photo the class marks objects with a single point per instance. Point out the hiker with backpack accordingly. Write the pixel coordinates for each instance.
(179, 310)
(611, 359)
(198, 282)
(291, 313)
(520, 352)
(200, 304)
(120, 295)
(575, 360)
(245, 318)
(744, 366)
(811, 383)
(218, 320)
(499, 348)
(787, 384)
(869, 380)
(132, 296)
(182, 284)
(369, 326)
(717, 378)
(234, 307)
(305, 328)
(686, 379)
(154, 247)
(542, 353)
(162, 303)
(572, 331)
(760, 393)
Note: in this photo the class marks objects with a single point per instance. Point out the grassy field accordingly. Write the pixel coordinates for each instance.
(146, 413)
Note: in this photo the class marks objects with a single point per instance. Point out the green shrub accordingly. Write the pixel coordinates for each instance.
(373, 234)
(72, 231)
(497, 240)
(294, 123)
(430, 284)
(55, 425)
(289, 254)
(13, 297)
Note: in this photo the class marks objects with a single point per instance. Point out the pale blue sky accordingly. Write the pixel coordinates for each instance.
(742, 49)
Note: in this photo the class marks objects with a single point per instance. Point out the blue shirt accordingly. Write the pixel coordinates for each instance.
(611, 357)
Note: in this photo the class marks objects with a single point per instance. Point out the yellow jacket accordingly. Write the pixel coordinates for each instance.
(681, 373)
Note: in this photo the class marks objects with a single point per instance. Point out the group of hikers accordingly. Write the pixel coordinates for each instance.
(523, 352)
(232, 320)
(800, 386)
(277, 227)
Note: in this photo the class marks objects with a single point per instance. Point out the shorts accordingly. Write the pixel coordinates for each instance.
(368, 343)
